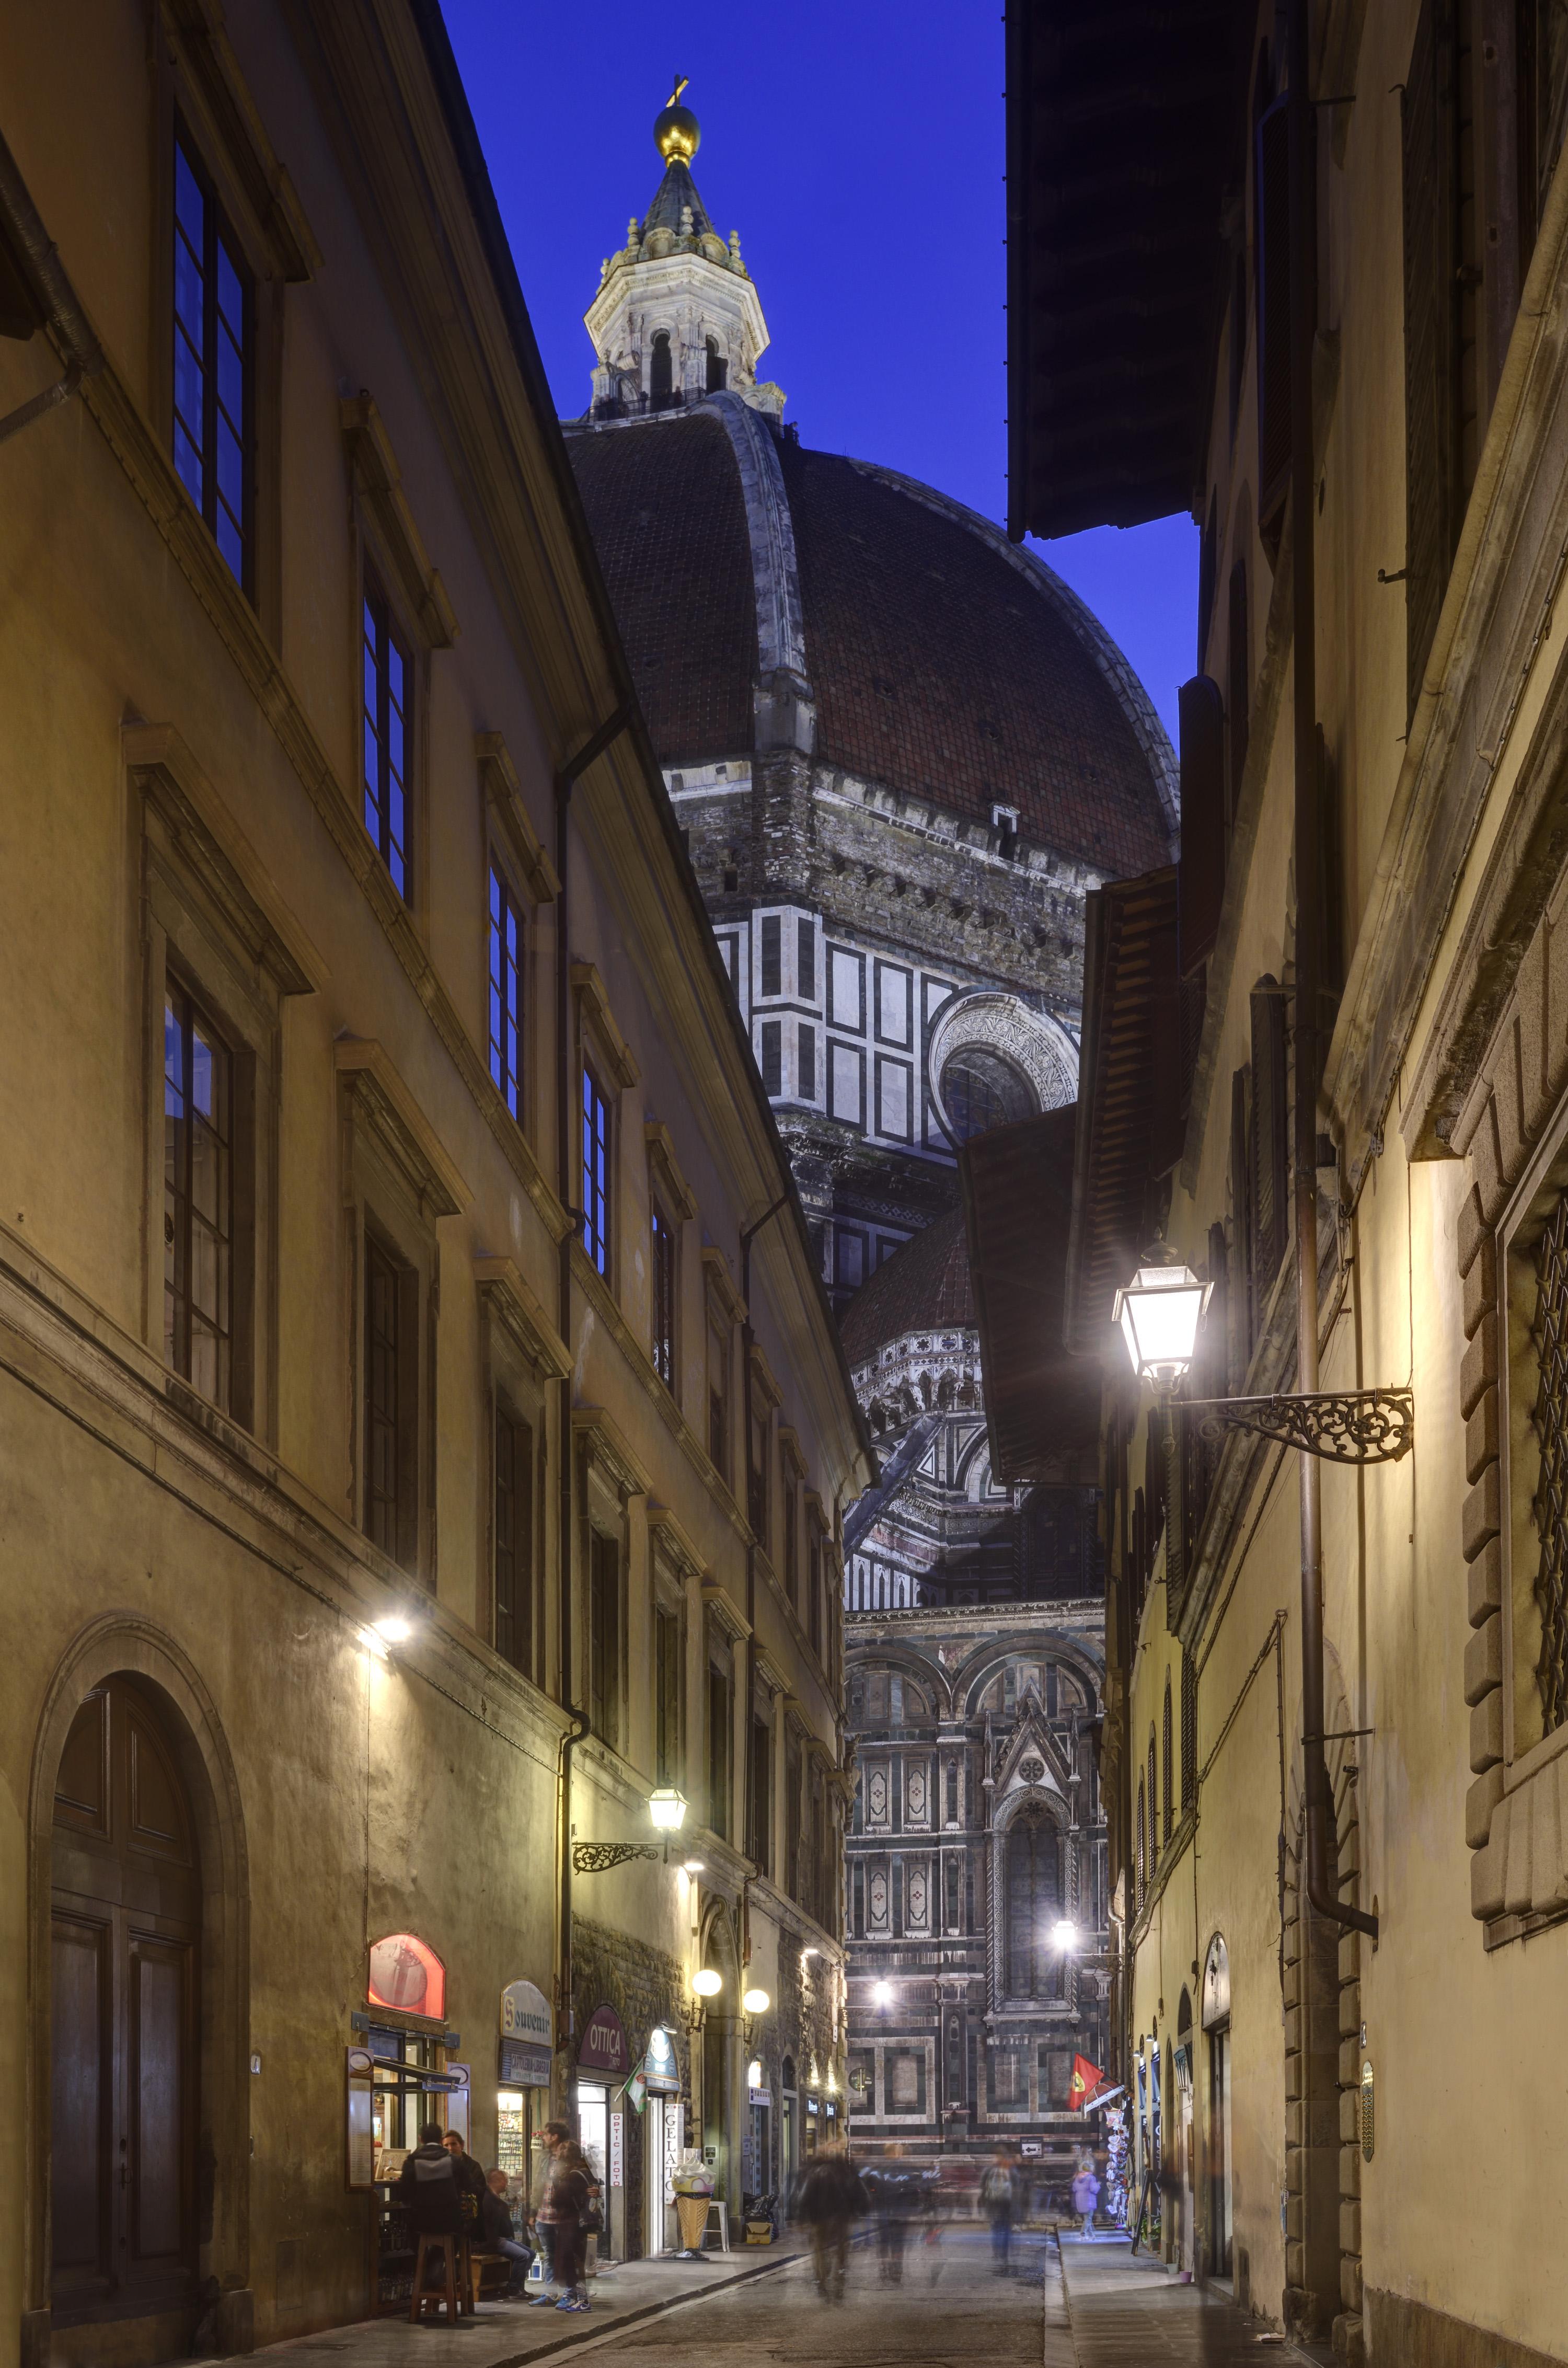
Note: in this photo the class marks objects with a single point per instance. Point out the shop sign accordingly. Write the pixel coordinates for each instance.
(603, 2046)
(617, 2150)
(812, 2107)
(523, 2067)
(524, 2014)
(406, 1974)
(760, 2096)
(661, 2067)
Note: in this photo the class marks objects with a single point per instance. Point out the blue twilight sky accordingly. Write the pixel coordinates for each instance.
(857, 145)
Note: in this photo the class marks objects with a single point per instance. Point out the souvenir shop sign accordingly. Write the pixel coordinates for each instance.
(661, 2070)
(603, 2048)
(527, 2036)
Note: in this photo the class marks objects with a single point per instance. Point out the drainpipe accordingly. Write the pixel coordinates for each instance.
(565, 782)
(54, 299)
(748, 1335)
(1320, 1882)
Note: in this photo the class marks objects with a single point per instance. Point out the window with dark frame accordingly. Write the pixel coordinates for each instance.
(383, 1389)
(213, 441)
(663, 1238)
(759, 1848)
(514, 1539)
(595, 1170)
(505, 993)
(772, 1034)
(720, 1751)
(666, 1695)
(806, 1075)
(806, 960)
(604, 1636)
(814, 1601)
(792, 1539)
(197, 1199)
(793, 1813)
(757, 1480)
(717, 1393)
(386, 702)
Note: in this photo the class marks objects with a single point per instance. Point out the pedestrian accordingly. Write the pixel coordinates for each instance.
(1085, 2197)
(427, 2190)
(891, 2202)
(469, 2180)
(571, 2199)
(496, 2232)
(552, 2135)
(833, 2195)
(999, 2197)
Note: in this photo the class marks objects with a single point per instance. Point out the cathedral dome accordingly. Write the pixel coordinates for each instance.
(945, 665)
(926, 1286)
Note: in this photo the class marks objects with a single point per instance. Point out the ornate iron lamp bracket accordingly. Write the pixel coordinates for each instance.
(1342, 1426)
(597, 1857)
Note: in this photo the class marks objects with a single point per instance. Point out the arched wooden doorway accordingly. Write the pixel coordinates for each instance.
(125, 2017)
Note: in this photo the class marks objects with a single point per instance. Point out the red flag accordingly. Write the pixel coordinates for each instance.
(1087, 2078)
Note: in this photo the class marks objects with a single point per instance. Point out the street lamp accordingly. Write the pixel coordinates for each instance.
(754, 2004)
(1158, 1314)
(881, 1995)
(1064, 1933)
(706, 1983)
(666, 1812)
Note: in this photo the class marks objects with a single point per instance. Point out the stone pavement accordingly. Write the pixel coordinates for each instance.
(1127, 2311)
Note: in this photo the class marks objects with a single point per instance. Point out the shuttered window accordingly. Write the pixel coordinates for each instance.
(1241, 1223)
(1272, 247)
(1238, 688)
(1431, 310)
(1270, 1132)
(1201, 879)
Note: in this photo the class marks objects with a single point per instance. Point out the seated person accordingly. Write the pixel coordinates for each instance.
(496, 2234)
(426, 2188)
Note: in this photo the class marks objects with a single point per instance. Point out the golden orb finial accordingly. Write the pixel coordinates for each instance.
(676, 133)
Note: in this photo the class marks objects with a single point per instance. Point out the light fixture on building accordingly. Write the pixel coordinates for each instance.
(1064, 1934)
(694, 1866)
(753, 2073)
(756, 2003)
(379, 1636)
(881, 1994)
(809, 1953)
(666, 1812)
(1158, 1314)
(706, 1983)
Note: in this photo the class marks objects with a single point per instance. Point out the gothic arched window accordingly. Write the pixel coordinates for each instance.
(661, 379)
(718, 368)
(1033, 1904)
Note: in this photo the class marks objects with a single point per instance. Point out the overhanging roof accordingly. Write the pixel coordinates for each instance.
(1124, 128)
(1041, 1405)
(1130, 1132)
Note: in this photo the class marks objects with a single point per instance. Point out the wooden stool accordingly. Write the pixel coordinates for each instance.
(450, 2286)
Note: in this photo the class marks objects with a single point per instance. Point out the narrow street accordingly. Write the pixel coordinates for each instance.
(1077, 2306)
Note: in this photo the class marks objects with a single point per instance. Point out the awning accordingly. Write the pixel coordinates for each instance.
(1041, 1405)
(1125, 137)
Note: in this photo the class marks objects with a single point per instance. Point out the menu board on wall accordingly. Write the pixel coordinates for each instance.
(360, 2144)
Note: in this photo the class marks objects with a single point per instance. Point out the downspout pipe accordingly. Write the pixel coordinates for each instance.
(54, 298)
(566, 780)
(748, 1338)
(1320, 1880)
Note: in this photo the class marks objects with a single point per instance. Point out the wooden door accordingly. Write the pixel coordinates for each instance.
(126, 1947)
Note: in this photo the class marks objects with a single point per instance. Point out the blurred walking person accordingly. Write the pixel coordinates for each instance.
(1085, 2197)
(833, 2195)
(999, 2197)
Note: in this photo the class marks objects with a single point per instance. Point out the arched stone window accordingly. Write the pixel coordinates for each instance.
(660, 375)
(983, 1090)
(1032, 1904)
(718, 368)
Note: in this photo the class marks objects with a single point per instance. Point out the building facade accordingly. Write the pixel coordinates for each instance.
(416, 1453)
(1327, 1054)
(901, 754)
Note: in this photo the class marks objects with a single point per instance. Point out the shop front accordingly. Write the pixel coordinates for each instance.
(604, 2066)
(756, 2146)
(664, 2136)
(524, 2053)
(401, 2070)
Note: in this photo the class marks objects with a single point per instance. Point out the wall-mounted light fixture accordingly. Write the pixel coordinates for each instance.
(666, 1812)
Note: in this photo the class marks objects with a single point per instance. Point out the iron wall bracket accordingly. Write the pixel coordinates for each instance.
(597, 1857)
(1341, 1426)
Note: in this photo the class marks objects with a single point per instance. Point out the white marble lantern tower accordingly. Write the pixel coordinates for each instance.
(677, 316)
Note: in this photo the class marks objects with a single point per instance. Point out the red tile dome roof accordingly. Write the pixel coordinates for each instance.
(946, 665)
(925, 1287)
